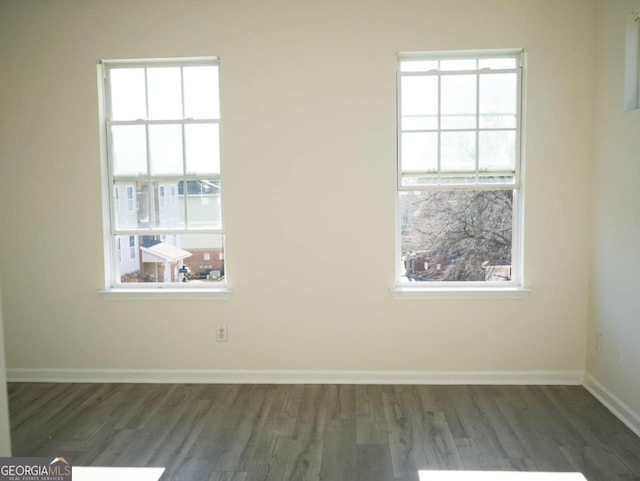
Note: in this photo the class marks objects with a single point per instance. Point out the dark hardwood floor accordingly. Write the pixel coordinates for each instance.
(201, 432)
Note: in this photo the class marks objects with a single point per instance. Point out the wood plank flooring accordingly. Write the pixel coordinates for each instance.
(240, 432)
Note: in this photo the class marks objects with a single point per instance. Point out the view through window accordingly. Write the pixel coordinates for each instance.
(162, 130)
(459, 183)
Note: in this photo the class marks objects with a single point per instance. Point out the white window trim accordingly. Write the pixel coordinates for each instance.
(516, 288)
(167, 294)
(147, 291)
(407, 292)
(632, 62)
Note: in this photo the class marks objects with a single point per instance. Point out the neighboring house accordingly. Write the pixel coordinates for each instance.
(497, 271)
(157, 258)
(161, 260)
(128, 255)
(425, 266)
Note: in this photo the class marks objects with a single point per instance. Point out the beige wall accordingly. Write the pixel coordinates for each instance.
(308, 145)
(615, 286)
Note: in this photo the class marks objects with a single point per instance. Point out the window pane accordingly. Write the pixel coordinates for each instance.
(497, 63)
(201, 92)
(498, 150)
(419, 151)
(419, 103)
(131, 205)
(165, 93)
(458, 151)
(498, 107)
(159, 258)
(129, 150)
(418, 65)
(202, 144)
(203, 204)
(456, 235)
(458, 64)
(458, 101)
(168, 208)
(127, 94)
(165, 148)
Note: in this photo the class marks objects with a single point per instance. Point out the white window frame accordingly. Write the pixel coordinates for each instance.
(632, 62)
(114, 289)
(514, 287)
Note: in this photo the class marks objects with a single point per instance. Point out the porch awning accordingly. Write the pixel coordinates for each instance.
(163, 252)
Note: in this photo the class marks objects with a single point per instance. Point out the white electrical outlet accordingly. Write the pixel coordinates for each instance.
(221, 333)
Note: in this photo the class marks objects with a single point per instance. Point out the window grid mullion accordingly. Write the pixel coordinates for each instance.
(148, 181)
(163, 122)
(184, 152)
(487, 71)
(146, 93)
(168, 177)
(518, 127)
(439, 153)
(166, 231)
(485, 129)
(152, 219)
(477, 159)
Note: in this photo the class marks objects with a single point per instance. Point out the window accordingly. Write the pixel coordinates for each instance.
(632, 62)
(132, 247)
(459, 183)
(130, 200)
(161, 198)
(162, 123)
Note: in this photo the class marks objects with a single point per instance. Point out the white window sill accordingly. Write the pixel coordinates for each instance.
(166, 294)
(431, 292)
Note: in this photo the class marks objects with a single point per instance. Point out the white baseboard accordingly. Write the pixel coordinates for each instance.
(293, 377)
(623, 412)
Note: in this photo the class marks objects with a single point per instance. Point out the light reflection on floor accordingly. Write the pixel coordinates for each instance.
(98, 473)
(497, 476)
(94, 473)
